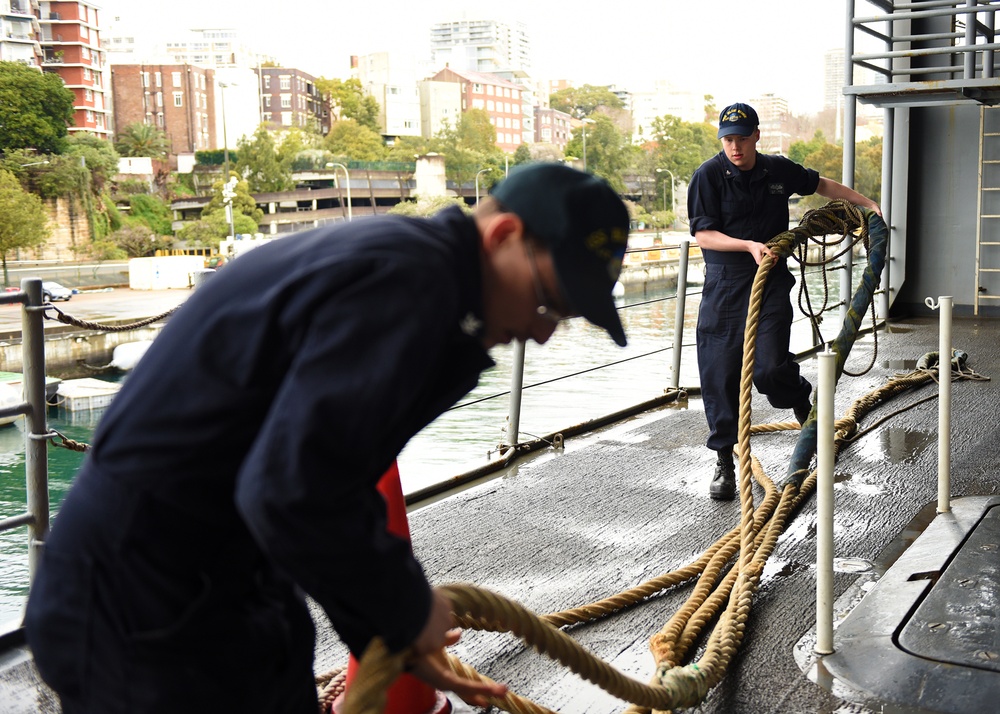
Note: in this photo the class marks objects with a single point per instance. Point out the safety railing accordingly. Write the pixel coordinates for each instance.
(33, 408)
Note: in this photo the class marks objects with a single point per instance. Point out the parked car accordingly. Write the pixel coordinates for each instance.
(54, 291)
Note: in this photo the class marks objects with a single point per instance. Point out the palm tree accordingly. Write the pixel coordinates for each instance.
(140, 139)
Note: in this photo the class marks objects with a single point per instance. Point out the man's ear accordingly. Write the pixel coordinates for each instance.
(500, 228)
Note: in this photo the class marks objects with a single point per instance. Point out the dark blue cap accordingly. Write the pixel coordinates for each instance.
(583, 224)
(739, 119)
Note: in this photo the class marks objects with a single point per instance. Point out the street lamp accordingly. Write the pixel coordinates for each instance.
(585, 122)
(347, 180)
(225, 141)
(477, 181)
(673, 195)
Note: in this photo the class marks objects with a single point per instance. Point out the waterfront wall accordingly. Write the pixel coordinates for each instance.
(75, 353)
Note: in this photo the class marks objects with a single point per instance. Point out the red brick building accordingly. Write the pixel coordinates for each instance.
(500, 99)
(553, 127)
(71, 47)
(177, 98)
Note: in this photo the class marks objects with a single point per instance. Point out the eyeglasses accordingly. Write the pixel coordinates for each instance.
(544, 308)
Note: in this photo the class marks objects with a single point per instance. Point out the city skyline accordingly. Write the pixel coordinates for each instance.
(729, 49)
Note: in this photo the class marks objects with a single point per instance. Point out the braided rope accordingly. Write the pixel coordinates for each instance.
(674, 684)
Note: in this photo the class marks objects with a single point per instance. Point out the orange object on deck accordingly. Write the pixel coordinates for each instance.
(407, 695)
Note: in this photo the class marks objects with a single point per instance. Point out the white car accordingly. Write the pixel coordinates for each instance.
(54, 291)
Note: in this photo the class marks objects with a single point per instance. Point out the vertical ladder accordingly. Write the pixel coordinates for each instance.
(988, 208)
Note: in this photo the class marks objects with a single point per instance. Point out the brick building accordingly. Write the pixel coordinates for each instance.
(71, 47)
(553, 127)
(177, 98)
(500, 99)
(289, 97)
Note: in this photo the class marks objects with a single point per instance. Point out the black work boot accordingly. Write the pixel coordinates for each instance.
(723, 486)
(802, 412)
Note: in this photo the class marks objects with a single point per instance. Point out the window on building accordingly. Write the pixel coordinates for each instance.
(286, 118)
(90, 117)
(145, 79)
(175, 77)
(477, 88)
(517, 123)
(86, 73)
(86, 53)
(159, 119)
(178, 99)
(489, 89)
(490, 105)
(159, 79)
(506, 91)
(159, 99)
(203, 84)
(88, 95)
(267, 116)
(267, 81)
(286, 101)
(267, 101)
(476, 104)
(286, 82)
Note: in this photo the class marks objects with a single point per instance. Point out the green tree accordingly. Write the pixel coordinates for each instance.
(135, 241)
(150, 213)
(140, 139)
(214, 226)
(350, 139)
(682, 146)
(609, 151)
(868, 169)
(799, 150)
(24, 224)
(36, 109)
(469, 147)
(406, 148)
(583, 101)
(262, 166)
(97, 155)
(522, 155)
(348, 99)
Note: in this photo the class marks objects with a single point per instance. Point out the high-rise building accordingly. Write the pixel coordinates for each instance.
(71, 48)
(20, 32)
(775, 134)
(500, 99)
(177, 98)
(289, 97)
(392, 79)
(487, 46)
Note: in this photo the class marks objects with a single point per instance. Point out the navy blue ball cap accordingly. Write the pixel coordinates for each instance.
(739, 119)
(583, 224)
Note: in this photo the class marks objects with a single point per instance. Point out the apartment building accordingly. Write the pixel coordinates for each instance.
(500, 99)
(71, 47)
(392, 79)
(289, 97)
(20, 32)
(487, 46)
(553, 127)
(177, 98)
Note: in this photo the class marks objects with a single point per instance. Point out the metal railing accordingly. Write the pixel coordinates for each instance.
(33, 408)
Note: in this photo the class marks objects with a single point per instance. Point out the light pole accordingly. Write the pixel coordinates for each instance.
(585, 122)
(347, 180)
(225, 141)
(477, 181)
(673, 194)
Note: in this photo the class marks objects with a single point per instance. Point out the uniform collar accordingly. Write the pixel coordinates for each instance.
(464, 232)
(730, 171)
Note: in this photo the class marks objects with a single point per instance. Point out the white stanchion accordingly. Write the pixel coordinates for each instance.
(944, 400)
(826, 388)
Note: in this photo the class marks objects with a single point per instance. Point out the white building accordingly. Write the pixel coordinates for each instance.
(661, 100)
(20, 32)
(487, 46)
(392, 79)
(440, 106)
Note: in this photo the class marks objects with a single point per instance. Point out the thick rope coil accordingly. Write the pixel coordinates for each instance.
(675, 684)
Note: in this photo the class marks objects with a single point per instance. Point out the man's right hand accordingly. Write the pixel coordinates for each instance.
(431, 665)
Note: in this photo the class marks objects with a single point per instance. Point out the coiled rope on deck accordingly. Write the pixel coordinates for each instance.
(676, 684)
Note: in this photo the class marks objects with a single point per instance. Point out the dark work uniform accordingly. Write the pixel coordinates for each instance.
(237, 467)
(749, 205)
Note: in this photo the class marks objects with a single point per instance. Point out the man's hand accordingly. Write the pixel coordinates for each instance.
(758, 250)
(431, 665)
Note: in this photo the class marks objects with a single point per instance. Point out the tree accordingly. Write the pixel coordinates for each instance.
(24, 224)
(214, 226)
(140, 139)
(150, 213)
(96, 155)
(261, 165)
(36, 109)
(583, 101)
(469, 147)
(522, 155)
(348, 99)
(357, 142)
(136, 241)
(609, 151)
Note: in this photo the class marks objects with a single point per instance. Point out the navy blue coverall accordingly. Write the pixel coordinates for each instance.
(237, 468)
(749, 205)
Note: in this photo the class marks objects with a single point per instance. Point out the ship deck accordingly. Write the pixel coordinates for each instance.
(621, 505)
